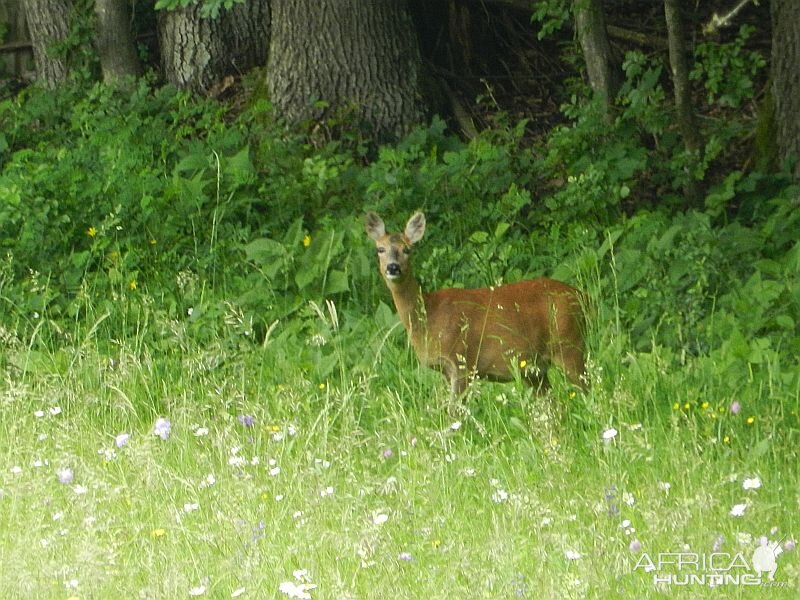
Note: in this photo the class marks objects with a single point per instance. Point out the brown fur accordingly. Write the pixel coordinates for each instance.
(488, 332)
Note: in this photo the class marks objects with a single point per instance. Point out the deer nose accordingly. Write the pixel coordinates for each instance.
(393, 270)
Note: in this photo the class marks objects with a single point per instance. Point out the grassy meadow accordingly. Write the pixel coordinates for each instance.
(131, 472)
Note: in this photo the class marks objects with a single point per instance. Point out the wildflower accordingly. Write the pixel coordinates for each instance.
(523, 364)
(328, 491)
(38, 414)
(132, 284)
(158, 533)
(294, 590)
(704, 406)
(789, 545)
(664, 485)
(200, 431)
(208, 481)
(726, 439)
(162, 428)
(15, 470)
(675, 406)
(455, 426)
(322, 386)
(152, 242)
(80, 490)
(406, 556)
(55, 410)
(635, 546)
(751, 484)
(610, 434)
(92, 231)
(717, 545)
(121, 440)
(197, 591)
(246, 420)
(499, 495)
(628, 498)
(274, 471)
(736, 407)
(686, 406)
(387, 453)
(65, 475)
(190, 507)
(572, 554)
(379, 518)
(751, 420)
(238, 592)
(306, 241)
(738, 510)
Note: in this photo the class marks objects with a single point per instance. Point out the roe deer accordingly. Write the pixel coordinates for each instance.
(488, 332)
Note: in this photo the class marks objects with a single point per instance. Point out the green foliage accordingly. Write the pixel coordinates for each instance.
(728, 70)
(552, 14)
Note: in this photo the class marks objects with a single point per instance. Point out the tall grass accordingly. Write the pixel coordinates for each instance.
(279, 477)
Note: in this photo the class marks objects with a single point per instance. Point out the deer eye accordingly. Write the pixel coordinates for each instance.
(381, 249)
(406, 250)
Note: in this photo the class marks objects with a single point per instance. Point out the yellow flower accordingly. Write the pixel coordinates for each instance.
(157, 533)
(133, 285)
(153, 242)
(523, 364)
(436, 543)
(274, 428)
(322, 386)
(750, 420)
(726, 439)
(686, 406)
(307, 241)
(572, 395)
(91, 232)
(704, 405)
(676, 406)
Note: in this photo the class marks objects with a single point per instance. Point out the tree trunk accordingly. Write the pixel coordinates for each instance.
(786, 79)
(349, 54)
(48, 23)
(604, 75)
(114, 41)
(680, 75)
(197, 51)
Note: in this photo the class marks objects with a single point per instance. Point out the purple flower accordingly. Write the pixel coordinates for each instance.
(635, 546)
(789, 545)
(736, 407)
(247, 420)
(162, 428)
(65, 475)
(387, 453)
(406, 556)
(122, 440)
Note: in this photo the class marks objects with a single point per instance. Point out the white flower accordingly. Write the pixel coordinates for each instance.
(208, 481)
(546, 521)
(499, 495)
(15, 470)
(190, 507)
(236, 461)
(610, 434)
(328, 491)
(274, 471)
(238, 592)
(121, 440)
(201, 431)
(38, 413)
(628, 498)
(738, 510)
(455, 426)
(664, 485)
(572, 554)
(197, 591)
(380, 518)
(80, 490)
(294, 590)
(751, 484)
(65, 475)
(55, 410)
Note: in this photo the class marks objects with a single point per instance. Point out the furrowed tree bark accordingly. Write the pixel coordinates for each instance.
(48, 23)
(197, 51)
(350, 54)
(115, 44)
(604, 75)
(786, 79)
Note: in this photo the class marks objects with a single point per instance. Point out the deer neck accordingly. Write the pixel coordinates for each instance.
(410, 304)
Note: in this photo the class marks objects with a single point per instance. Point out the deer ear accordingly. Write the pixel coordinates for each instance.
(415, 227)
(374, 226)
